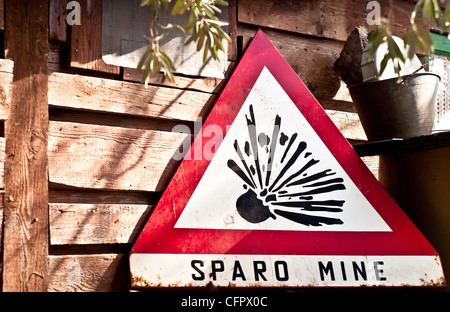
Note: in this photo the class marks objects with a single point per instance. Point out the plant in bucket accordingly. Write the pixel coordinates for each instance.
(393, 94)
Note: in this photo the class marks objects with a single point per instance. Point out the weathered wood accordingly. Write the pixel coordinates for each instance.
(373, 163)
(2, 163)
(86, 39)
(208, 84)
(6, 77)
(114, 96)
(311, 58)
(1, 232)
(232, 30)
(116, 120)
(57, 20)
(89, 273)
(25, 226)
(332, 19)
(96, 223)
(55, 62)
(2, 15)
(415, 144)
(348, 65)
(2, 193)
(348, 123)
(103, 157)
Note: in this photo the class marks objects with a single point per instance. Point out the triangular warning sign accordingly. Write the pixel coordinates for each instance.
(271, 156)
(282, 201)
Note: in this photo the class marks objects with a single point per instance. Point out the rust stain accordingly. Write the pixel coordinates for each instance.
(439, 283)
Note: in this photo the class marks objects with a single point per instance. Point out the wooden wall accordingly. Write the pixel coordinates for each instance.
(110, 143)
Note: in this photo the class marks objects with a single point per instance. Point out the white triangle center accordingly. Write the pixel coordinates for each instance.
(273, 172)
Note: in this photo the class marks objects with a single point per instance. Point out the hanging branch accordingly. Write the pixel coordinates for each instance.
(204, 27)
(417, 35)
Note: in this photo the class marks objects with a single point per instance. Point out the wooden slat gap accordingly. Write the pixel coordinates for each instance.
(89, 249)
(116, 120)
(83, 196)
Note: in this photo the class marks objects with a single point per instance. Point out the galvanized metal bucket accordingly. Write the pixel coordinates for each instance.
(390, 109)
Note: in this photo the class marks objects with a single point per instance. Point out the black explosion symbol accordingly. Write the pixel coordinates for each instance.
(288, 195)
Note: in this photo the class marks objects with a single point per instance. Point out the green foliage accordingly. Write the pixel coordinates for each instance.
(417, 35)
(203, 25)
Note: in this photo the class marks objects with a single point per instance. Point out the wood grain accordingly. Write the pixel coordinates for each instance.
(96, 223)
(113, 158)
(89, 273)
(203, 84)
(25, 226)
(331, 19)
(86, 40)
(311, 58)
(6, 77)
(57, 20)
(2, 163)
(114, 96)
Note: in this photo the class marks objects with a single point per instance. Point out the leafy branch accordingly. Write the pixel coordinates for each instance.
(416, 37)
(203, 25)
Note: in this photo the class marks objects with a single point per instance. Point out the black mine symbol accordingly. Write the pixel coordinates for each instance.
(286, 191)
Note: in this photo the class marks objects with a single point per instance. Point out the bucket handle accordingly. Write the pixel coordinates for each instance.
(413, 73)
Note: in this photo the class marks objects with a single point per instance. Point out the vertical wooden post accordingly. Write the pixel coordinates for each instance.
(25, 239)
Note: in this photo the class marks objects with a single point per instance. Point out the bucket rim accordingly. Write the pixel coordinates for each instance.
(393, 79)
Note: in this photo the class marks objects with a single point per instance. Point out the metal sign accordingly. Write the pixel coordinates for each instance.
(282, 201)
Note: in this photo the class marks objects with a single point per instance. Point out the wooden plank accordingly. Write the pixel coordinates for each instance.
(25, 226)
(397, 145)
(103, 157)
(332, 19)
(2, 163)
(232, 30)
(6, 77)
(1, 232)
(114, 96)
(115, 120)
(55, 53)
(2, 15)
(2, 195)
(96, 223)
(89, 273)
(348, 123)
(86, 39)
(311, 58)
(57, 20)
(203, 84)
(372, 162)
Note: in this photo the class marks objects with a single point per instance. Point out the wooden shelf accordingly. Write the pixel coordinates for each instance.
(426, 142)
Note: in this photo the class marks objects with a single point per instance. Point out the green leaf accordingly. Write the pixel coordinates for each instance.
(384, 63)
(221, 2)
(428, 11)
(168, 61)
(222, 33)
(143, 58)
(394, 50)
(376, 38)
(205, 51)
(201, 40)
(192, 38)
(437, 13)
(447, 17)
(179, 8)
(217, 22)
